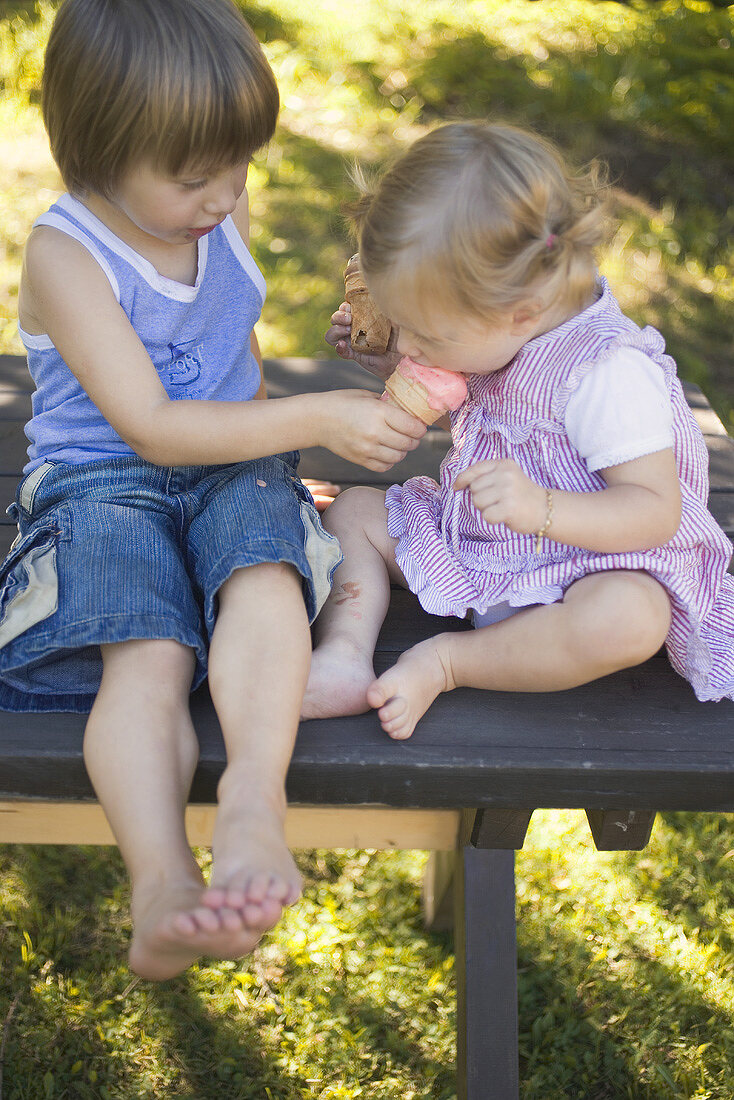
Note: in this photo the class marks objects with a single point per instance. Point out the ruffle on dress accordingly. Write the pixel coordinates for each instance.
(479, 575)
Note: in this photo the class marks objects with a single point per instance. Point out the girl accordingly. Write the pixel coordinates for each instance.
(571, 515)
(163, 529)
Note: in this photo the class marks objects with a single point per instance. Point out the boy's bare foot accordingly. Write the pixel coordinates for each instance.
(173, 928)
(403, 694)
(254, 872)
(338, 681)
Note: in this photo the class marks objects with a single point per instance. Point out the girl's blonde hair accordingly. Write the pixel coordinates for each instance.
(182, 83)
(476, 218)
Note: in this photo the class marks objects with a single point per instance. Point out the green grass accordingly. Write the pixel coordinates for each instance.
(626, 980)
(626, 961)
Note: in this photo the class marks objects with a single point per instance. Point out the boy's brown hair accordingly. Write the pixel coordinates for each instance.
(182, 83)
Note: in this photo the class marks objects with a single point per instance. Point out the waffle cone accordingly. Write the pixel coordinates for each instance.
(370, 328)
(411, 396)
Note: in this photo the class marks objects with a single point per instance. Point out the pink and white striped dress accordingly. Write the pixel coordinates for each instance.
(454, 561)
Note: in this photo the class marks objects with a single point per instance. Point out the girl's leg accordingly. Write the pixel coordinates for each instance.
(141, 750)
(347, 628)
(258, 666)
(606, 622)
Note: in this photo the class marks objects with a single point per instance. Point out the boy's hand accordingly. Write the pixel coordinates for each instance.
(502, 493)
(358, 426)
(339, 337)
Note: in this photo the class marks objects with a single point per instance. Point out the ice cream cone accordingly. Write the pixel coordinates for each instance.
(411, 396)
(425, 392)
(370, 328)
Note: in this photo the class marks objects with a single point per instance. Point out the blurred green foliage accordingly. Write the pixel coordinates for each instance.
(648, 87)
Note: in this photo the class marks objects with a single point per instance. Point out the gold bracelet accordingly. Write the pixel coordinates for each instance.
(548, 519)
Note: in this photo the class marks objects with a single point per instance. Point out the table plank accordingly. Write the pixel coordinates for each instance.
(638, 739)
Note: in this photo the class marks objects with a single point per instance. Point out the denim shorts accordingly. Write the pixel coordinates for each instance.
(119, 548)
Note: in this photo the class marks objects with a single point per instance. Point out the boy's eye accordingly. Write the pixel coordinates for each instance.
(193, 185)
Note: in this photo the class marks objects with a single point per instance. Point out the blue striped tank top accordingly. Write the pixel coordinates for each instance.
(198, 337)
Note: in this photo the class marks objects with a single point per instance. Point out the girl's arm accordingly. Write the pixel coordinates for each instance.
(71, 300)
(639, 509)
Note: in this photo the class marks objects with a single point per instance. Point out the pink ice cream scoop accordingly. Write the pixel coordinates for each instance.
(426, 392)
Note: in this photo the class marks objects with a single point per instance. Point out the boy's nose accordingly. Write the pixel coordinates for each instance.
(221, 201)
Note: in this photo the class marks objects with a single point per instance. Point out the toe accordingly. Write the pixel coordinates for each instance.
(235, 897)
(184, 924)
(394, 709)
(215, 897)
(280, 889)
(207, 920)
(379, 692)
(252, 914)
(231, 919)
(258, 886)
(397, 725)
(398, 731)
(294, 893)
(270, 912)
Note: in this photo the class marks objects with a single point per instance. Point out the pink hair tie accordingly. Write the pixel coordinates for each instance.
(550, 240)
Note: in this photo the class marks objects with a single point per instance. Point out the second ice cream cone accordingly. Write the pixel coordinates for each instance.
(370, 328)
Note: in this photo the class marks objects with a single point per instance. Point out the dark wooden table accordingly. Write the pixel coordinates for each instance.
(465, 785)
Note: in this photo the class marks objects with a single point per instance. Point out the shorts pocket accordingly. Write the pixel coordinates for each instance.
(30, 485)
(323, 554)
(29, 586)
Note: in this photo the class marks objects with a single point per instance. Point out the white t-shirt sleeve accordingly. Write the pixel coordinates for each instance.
(620, 411)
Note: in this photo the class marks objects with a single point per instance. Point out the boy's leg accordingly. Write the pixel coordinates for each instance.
(258, 666)
(141, 751)
(606, 622)
(347, 628)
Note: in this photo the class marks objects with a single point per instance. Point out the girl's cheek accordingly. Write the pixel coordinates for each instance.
(404, 346)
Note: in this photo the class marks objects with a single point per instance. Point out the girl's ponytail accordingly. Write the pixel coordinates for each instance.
(569, 248)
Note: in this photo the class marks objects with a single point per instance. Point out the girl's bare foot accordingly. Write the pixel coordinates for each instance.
(337, 685)
(403, 694)
(254, 873)
(173, 928)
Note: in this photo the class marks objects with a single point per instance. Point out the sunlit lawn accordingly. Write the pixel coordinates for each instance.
(626, 961)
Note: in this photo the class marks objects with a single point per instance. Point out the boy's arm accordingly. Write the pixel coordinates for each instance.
(241, 218)
(74, 304)
(323, 492)
(639, 509)
(262, 392)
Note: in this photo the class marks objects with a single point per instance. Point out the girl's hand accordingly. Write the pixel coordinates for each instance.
(502, 493)
(339, 337)
(356, 425)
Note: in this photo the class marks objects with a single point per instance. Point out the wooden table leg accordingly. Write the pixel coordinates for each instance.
(486, 975)
(621, 830)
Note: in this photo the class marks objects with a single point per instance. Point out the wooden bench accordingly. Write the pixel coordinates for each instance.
(464, 786)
